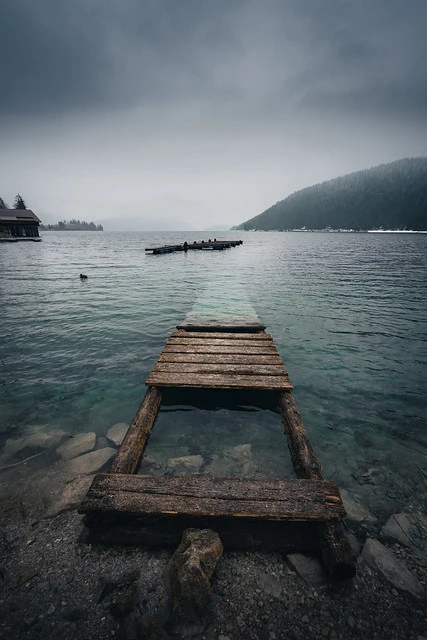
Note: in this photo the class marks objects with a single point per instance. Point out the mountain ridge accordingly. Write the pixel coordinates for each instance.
(389, 196)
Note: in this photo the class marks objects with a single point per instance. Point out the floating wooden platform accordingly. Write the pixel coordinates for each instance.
(287, 514)
(214, 245)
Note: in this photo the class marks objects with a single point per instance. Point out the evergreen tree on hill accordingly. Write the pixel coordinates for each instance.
(3, 205)
(19, 202)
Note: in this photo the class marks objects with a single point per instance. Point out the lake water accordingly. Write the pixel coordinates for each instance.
(347, 313)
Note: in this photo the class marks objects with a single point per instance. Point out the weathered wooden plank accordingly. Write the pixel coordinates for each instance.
(250, 327)
(222, 335)
(225, 358)
(217, 381)
(218, 342)
(272, 499)
(268, 349)
(304, 459)
(128, 457)
(237, 369)
(336, 551)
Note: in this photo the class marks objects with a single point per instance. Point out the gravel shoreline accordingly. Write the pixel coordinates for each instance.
(52, 585)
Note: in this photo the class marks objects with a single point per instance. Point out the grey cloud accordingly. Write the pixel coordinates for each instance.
(311, 54)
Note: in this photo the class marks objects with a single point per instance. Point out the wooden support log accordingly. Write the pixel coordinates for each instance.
(336, 551)
(129, 455)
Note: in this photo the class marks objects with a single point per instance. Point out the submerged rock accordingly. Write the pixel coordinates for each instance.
(31, 442)
(117, 432)
(88, 463)
(235, 461)
(185, 465)
(376, 555)
(189, 573)
(77, 445)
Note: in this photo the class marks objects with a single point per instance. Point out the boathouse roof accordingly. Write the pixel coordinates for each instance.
(20, 215)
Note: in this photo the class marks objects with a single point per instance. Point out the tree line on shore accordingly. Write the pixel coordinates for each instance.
(72, 225)
(18, 204)
(62, 225)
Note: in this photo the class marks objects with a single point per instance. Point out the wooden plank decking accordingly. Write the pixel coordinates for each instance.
(202, 496)
(215, 245)
(290, 515)
(219, 364)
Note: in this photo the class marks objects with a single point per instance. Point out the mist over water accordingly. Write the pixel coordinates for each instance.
(347, 313)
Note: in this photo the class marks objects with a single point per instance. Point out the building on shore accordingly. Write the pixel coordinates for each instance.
(19, 224)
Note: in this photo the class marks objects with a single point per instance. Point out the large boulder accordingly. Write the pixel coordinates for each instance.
(189, 573)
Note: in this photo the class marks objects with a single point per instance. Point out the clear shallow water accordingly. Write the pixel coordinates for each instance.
(347, 312)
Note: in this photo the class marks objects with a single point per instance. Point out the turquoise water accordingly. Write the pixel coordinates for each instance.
(347, 312)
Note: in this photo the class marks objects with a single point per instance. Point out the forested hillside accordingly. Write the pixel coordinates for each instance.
(389, 196)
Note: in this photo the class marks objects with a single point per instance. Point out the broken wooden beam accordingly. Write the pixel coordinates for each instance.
(336, 551)
(129, 455)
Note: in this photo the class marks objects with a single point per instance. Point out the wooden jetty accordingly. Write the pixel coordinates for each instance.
(302, 514)
(213, 245)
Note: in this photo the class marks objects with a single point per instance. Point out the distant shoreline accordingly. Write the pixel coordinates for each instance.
(336, 230)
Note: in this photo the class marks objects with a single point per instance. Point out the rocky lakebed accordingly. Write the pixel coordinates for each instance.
(53, 584)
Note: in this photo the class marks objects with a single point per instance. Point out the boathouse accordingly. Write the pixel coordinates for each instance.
(19, 223)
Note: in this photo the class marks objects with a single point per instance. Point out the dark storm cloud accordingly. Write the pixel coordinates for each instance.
(87, 52)
(367, 56)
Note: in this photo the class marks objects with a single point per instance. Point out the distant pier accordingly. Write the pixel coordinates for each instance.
(215, 245)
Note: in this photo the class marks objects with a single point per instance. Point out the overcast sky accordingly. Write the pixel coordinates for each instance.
(185, 113)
